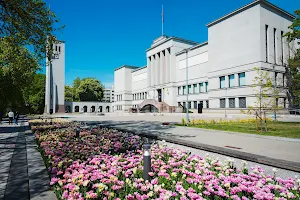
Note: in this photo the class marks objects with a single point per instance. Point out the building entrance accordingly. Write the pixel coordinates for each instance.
(159, 95)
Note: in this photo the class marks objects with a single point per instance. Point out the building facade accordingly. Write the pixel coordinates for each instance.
(220, 72)
(108, 94)
(55, 80)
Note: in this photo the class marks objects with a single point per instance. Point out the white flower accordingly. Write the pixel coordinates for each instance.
(274, 170)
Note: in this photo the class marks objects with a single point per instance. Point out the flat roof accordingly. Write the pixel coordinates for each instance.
(126, 66)
(250, 5)
(192, 48)
(173, 38)
(139, 68)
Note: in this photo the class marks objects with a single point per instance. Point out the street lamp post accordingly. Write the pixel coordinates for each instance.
(225, 103)
(275, 105)
(187, 88)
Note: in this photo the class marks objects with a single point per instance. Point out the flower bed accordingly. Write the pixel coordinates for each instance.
(49, 124)
(107, 164)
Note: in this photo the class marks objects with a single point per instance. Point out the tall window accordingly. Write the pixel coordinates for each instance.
(222, 82)
(206, 86)
(222, 103)
(190, 105)
(59, 49)
(195, 88)
(275, 44)
(184, 104)
(179, 90)
(281, 47)
(133, 97)
(275, 79)
(190, 89)
(201, 87)
(231, 102)
(195, 104)
(184, 90)
(207, 104)
(242, 79)
(231, 80)
(242, 102)
(266, 36)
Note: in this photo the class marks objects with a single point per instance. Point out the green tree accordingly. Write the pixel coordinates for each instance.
(69, 93)
(17, 70)
(76, 84)
(293, 66)
(34, 95)
(90, 89)
(29, 23)
(266, 97)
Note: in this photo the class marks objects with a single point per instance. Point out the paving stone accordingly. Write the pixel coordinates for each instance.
(17, 184)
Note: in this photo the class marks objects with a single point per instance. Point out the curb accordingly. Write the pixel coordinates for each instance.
(278, 163)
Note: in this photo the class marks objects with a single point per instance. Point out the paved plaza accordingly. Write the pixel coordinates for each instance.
(22, 173)
(277, 151)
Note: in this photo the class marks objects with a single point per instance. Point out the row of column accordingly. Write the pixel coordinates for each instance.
(158, 68)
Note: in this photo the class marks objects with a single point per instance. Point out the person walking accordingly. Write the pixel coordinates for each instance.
(16, 117)
(10, 116)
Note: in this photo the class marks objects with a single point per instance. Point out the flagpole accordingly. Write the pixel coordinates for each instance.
(162, 21)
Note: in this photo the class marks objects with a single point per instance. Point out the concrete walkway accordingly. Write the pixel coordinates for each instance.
(22, 172)
(279, 152)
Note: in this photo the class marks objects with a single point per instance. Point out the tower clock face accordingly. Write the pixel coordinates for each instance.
(55, 56)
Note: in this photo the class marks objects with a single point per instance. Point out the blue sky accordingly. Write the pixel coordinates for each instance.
(102, 35)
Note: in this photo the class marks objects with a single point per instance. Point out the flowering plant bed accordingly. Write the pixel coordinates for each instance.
(108, 164)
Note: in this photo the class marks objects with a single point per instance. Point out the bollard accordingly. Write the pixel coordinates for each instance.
(77, 132)
(147, 161)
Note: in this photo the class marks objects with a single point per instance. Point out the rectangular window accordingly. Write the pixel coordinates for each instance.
(145, 95)
(242, 102)
(283, 77)
(206, 86)
(55, 47)
(275, 44)
(222, 82)
(133, 97)
(179, 104)
(201, 87)
(184, 104)
(284, 102)
(59, 49)
(266, 36)
(242, 79)
(275, 79)
(195, 104)
(231, 80)
(207, 104)
(179, 90)
(195, 88)
(222, 103)
(281, 41)
(184, 90)
(231, 102)
(190, 89)
(190, 105)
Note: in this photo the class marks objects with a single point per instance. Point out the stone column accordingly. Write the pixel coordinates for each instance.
(167, 75)
(162, 66)
(148, 72)
(153, 63)
(157, 69)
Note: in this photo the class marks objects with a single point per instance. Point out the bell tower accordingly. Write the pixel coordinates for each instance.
(55, 80)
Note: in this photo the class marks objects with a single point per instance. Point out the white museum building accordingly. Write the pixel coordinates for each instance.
(220, 71)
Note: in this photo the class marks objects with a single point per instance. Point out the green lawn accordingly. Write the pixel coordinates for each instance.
(281, 129)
